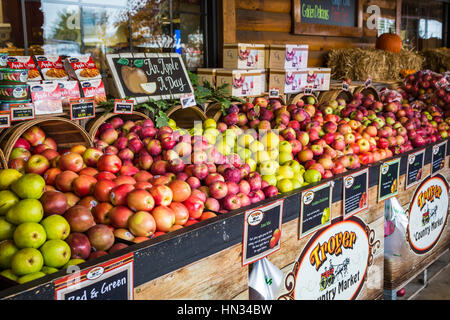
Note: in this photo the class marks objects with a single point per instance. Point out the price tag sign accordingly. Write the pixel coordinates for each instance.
(368, 82)
(355, 193)
(5, 119)
(262, 231)
(308, 90)
(345, 85)
(22, 112)
(187, 100)
(389, 179)
(414, 168)
(315, 208)
(82, 108)
(274, 93)
(438, 157)
(123, 106)
(112, 280)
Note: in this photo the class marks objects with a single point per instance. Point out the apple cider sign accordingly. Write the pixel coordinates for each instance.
(428, 214)
(333, 264)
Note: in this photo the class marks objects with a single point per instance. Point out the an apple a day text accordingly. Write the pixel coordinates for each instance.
(167, 69)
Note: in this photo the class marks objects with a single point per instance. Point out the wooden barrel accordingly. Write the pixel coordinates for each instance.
(326, 96)
(65, 132)
(3, 163)
(95, 123)
(367, 90)
(186, 117)
(302, 96)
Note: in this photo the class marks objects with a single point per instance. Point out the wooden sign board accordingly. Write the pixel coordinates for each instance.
(149, 75)
(328, 17)
(82, 108)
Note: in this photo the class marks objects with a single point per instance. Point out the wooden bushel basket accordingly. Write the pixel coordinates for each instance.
(301, 96)
(327, 96)
(367, 90)
(65, 132)
(186, 117)
(3, 163)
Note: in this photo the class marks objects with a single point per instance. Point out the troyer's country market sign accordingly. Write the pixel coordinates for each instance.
(334, 263)
(428, 214)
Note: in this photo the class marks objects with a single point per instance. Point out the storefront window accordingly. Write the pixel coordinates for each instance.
(99, 27)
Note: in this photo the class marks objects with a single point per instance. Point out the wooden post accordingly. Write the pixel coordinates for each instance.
(398, 17)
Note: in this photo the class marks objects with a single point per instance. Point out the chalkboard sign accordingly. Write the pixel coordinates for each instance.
(414, 168)
(329, 12)
(20, 112)
(112, 280)
(355, 193)
(389, 179)
(315, 208)
(82, 108)
(439, 152)
(149, 75)
(123, 106)
(5, 120)
(262, 231)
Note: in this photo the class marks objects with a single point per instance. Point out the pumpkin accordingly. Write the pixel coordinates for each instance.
(389, 42)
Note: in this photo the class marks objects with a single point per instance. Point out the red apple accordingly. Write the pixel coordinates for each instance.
(162, 195)
(164, 217)
(109, 162)
(181, 212)
(83, 185)
(101, 212)
(195, 206)
(118, 195)
(79, 218)
(119, 216)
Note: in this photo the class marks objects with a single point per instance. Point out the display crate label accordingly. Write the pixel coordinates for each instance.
(21, 112)
(262, 231)
(187, 100)
(315, 208)
(428, 214)
(5, 120)
(414, 168)
(389, 179)
(123, 106)
(83, 108)
(274, 93)
(355, 193)
(111, 280)
(334, 263)
(439, 152)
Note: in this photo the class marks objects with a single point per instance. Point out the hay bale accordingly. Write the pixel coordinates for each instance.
(358, 64)
(437, 60)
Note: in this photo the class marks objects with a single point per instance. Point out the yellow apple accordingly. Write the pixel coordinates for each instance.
(285, 157)
(209, 123)
(244, 140)
(256, 146)
(261, 156)
(270, 140)
(252, 163)
(273, 153)
(268, 167)
(270, 178)
(286, 172)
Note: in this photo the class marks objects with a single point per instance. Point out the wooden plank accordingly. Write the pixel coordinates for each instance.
(229, 21)
(383, 4)
(203, 279)
(263, 21)
(398, 18)
(281, 6)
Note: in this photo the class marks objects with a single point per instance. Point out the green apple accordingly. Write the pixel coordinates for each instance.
(209, 123)
(296, 184)
(325, 215)
(172, 123)
(7, 200)
(211, 131)
(27, 261)
(270, 178)
(270, 140)
(56, 227)
(295, 166)
(312, 175)
(256, 146)
(30, 277)
(252, 164)
(7, 177)
(244, 153)
(6, 229)
(285, 185)
(285, 157)
(244, 140)
(7, 251)
(261, 156)
(273, 154)
(299, 177)
(49, 270)
(286, 172)
(268, 167)
(29, 186)
(73, 262)
(27, 210)
(223, 148)
(285, 146)
(56, 253)
(29, 235)
(9, 274)
(210, 138)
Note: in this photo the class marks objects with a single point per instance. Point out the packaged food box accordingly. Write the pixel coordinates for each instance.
(82, 68)
(287, 81)
(244, 56)
(13, 76)
(95, 89)
(207, 74)
(13, 92)
(52, 67)
(5, 105)
(242, 82)
(289, 56)
(46, 97)
(3, 60)
(319, 78)
(69, 90)
(25, 62)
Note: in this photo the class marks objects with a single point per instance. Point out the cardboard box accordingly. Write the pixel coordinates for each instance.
(289, 56)
(207, 74)
(243, 83)
(244, 56)
(82, 68)
(25, 62)
(94, 89)
(287, 81)
(319, 78)
(51, 67)
(69, 90)
(46, 98)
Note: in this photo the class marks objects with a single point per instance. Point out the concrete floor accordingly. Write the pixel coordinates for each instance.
(438, 283)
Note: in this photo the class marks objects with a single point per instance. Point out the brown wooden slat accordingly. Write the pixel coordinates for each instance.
(263, 21)
(383, 4)
(281, 6)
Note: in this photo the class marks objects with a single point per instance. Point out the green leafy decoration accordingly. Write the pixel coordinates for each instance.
(161, 119)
